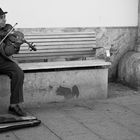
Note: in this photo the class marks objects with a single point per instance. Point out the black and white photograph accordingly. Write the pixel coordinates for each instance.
(69, 70)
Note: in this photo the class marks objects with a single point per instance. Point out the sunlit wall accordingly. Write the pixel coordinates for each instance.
(71, 13)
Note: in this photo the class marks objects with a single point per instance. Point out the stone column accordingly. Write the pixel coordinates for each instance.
(139, 19)
(129, 65)
(138, 39)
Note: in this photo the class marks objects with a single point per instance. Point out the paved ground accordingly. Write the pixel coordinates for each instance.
(115, 118)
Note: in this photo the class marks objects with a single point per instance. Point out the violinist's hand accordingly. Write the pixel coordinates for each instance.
(16, 47)
(11, 48)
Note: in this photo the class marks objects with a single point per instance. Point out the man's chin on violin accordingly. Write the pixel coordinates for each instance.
(8, 47)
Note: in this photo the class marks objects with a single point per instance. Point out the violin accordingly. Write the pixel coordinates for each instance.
(15, 37)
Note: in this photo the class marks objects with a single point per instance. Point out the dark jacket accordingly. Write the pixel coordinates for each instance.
(7, 49)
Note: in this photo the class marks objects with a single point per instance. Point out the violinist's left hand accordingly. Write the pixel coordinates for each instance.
(11, 48)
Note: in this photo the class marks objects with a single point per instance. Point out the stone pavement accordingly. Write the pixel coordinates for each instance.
(115, 118)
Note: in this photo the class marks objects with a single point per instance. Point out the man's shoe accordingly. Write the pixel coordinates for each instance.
(16, 110)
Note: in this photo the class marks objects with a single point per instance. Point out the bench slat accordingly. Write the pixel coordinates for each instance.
(46, 47)
(47, 36)
(64, 43)
(55, 50)
(61, 40)
(54, 58)
(60, 53)
(62, 34)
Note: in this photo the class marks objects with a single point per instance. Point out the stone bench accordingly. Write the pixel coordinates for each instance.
(63, 67)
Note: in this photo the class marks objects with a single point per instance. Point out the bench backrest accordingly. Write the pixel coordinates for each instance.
(57, 46)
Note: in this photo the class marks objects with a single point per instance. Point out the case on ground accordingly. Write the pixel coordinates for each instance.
(10, 122)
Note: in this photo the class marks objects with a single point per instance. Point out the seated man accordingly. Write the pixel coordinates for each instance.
(10, 68)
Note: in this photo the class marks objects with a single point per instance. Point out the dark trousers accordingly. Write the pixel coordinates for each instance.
(16, 75)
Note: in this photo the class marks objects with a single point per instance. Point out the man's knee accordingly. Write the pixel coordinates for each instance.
(19, 74)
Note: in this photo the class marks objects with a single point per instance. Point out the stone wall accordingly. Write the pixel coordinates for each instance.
(118, 39)
(129, 64)
(139, 19)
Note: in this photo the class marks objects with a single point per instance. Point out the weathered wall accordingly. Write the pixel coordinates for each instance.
(138, 39)
(139, 19)
(118, 39)
(129, 65)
